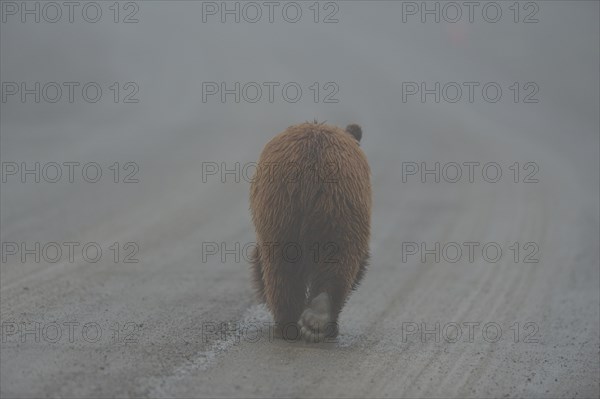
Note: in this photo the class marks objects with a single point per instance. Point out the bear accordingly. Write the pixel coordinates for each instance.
(310, 201)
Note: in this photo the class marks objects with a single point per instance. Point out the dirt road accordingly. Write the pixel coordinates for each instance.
(127, 274)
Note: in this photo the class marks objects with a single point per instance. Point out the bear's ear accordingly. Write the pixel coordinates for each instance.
(355, 131)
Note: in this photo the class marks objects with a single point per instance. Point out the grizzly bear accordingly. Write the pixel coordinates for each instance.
(310, 200)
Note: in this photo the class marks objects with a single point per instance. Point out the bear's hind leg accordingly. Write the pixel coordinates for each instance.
(257, 275)
(362, 269)
(316, 320)
(285, 292)
(319, 321)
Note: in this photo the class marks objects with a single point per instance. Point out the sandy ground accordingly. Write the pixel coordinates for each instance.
(182, 321)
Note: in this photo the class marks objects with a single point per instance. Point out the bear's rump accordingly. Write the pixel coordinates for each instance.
(315, 199)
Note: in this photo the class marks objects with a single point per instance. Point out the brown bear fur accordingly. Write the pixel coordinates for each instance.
(311, 206)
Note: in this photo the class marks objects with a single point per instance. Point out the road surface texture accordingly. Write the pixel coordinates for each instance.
(166, 308)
